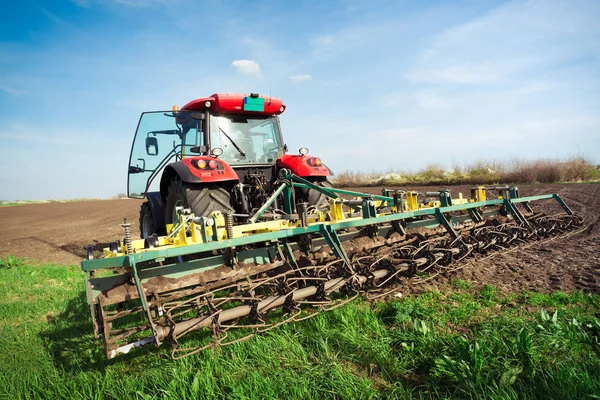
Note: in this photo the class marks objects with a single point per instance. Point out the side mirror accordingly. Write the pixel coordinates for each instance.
(152, 146)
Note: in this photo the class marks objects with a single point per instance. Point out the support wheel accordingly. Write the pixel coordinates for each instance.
(202, 199)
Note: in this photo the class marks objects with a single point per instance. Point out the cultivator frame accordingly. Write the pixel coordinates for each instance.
(209, 275)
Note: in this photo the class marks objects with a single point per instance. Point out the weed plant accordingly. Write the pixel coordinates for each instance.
(11, 261)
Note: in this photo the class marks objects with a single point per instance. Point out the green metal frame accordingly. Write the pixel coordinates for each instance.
(281, 241)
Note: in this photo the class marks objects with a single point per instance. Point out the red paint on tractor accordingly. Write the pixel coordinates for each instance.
(234, 103)
(213, 169)
(300, 166)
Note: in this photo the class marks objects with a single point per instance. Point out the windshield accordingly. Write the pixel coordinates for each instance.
(244, 139)
(161, 137)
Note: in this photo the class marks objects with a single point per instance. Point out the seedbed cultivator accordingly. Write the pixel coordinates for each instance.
(218, 281)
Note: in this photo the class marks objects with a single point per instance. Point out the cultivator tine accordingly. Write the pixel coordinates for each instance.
(292, 269)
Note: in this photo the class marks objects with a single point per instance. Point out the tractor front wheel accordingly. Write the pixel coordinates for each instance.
(202, 199)
(147, 225)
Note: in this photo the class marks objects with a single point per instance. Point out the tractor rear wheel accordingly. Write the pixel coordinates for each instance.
(316, 198)
(202, 199)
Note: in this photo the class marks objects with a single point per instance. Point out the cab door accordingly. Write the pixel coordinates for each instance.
(161, 137)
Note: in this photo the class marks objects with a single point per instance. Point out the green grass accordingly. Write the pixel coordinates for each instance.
(463, 342)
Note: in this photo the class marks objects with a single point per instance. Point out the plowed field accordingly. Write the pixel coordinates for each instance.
(59, 232)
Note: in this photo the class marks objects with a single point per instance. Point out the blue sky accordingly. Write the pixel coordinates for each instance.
(369, 86)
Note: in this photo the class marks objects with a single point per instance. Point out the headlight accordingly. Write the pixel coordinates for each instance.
(212, 164)
(314, 162)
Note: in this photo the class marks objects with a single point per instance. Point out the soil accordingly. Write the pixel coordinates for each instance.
(564, 263)
(60, 232)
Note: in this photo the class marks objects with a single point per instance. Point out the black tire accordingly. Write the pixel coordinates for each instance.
(202, 199)
(147, 225)
(316, 198)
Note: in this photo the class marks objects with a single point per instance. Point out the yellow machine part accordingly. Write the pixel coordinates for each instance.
(187, 232)
(412, 204)
(336, 210)
(460, 200)
(478, 194)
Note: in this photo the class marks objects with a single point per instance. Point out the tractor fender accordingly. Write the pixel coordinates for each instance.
(157, 207)
(191, 170)
(304, 166)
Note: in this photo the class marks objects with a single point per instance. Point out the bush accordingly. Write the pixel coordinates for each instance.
(574, 169)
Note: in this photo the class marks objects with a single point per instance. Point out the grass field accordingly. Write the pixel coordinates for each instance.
(461, 342)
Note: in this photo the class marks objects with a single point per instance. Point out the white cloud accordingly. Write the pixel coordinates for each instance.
(324, 40)
(300, 78)
(562, 125)
(432, 100)
(21, 132)
(81, 3)
(247, 67)
(37, 138)
(470, 73)
(126, 3)
(144, 3)
(486, 51)
(13, 91)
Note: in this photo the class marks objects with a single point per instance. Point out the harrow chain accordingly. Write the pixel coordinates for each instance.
(289, 295)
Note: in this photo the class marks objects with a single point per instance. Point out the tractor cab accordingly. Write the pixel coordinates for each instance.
(242, 131)
(219, 153)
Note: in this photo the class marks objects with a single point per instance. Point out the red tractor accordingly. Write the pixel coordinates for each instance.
(222, 152)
